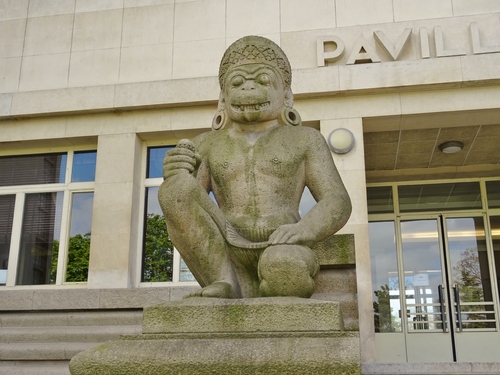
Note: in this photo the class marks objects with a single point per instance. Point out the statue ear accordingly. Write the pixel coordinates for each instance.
(288, 98)
(222, 103)
(220, 120)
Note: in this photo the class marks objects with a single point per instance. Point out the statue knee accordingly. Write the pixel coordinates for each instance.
(287, 270)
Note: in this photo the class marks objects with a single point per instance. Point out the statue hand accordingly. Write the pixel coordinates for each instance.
(291, 234)
(181, 159)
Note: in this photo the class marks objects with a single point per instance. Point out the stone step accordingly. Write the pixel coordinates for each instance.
(34, 368)
(54, 351)
(273, 314)
(70, 318)
(53, 334)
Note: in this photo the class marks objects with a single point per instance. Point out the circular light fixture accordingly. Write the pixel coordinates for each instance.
(341, 141)
(451, 147)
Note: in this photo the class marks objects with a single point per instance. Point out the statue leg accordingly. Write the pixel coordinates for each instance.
(288, 270)
(194, 226)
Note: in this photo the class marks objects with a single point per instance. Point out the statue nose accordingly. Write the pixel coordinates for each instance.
(249, 85)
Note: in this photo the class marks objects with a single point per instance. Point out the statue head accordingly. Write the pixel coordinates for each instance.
(255, 50)
(255, 79)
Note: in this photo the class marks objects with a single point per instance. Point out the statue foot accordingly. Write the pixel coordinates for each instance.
(218, 289)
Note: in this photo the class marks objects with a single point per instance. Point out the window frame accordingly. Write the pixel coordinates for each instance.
(148, 183)
(68, 188)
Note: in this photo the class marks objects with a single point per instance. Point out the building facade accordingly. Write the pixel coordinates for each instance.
(93, 92)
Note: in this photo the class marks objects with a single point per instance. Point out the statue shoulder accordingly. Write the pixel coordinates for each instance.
(305, 135)
(206, 141)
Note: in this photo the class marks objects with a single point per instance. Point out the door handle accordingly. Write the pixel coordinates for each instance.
(456, 295)
(443, 308)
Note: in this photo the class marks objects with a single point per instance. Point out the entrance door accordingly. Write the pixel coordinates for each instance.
(449, 308)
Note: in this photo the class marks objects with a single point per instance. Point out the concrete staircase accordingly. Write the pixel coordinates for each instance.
(42, 343)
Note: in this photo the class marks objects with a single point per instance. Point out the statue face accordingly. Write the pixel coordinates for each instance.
(253, 93)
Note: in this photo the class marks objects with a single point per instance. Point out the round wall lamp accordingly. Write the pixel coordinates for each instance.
(341, 141)
(451, 147)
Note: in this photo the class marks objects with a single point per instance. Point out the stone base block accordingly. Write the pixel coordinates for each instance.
(285, 336)
(274, 314)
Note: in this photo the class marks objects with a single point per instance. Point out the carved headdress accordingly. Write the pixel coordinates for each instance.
(255, 50)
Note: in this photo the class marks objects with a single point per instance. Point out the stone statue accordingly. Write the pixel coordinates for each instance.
(256, 161)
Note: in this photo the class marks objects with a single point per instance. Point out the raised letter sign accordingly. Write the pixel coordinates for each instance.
(440, 51)
(393, 50)
(424, 43)
(362, 53)
(330, 56)
(477, 48)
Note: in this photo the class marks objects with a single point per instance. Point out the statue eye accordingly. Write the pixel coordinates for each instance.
(237, 81)
(264, 79)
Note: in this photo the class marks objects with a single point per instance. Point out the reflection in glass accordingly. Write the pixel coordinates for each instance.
(493, 191)
(385, 279)
(155, 161)
(40, 231)
(184, 272)
(306, 202)
(439, 197)
(84, 166)
(380, 200)
(32, 169)
(79, 242)
(158, 251)
(6, 216)
(423, 275)
(470, 271)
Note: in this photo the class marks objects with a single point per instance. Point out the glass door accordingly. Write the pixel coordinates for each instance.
(425, 298)
(445, 272)
(474, 305)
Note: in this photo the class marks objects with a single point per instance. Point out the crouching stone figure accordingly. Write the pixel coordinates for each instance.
(256, 161)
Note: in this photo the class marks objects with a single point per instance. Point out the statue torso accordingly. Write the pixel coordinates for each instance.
(258, 183)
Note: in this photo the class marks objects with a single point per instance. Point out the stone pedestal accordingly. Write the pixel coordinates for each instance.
(219, 336)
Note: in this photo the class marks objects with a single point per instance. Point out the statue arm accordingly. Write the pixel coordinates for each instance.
(333, 206)
(185, 157)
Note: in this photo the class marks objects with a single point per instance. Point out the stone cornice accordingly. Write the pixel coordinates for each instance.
(397, 76)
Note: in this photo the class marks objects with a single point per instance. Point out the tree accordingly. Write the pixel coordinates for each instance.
(78, 258)
(382, 310)
(77, 268)
(157, 261)
(467, 275)
(158, 250)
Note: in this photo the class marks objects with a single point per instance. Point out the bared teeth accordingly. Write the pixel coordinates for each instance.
(251, 107)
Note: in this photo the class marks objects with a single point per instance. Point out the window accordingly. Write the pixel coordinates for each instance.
(45, 217)
(160, 261)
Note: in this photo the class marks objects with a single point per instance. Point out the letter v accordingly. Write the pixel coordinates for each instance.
(393, 50)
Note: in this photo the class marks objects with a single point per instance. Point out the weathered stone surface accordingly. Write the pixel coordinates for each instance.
(257, 162)
(336, 250)
(288, 336)
(285, 314)
(334, 354)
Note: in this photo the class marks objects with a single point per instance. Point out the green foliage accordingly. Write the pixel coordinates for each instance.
(158, 254)
(53, 266)
(78, 259)
(469, 279)
(158, 250)
(384, 321)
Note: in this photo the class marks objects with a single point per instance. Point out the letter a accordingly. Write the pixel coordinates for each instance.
(362, 53)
